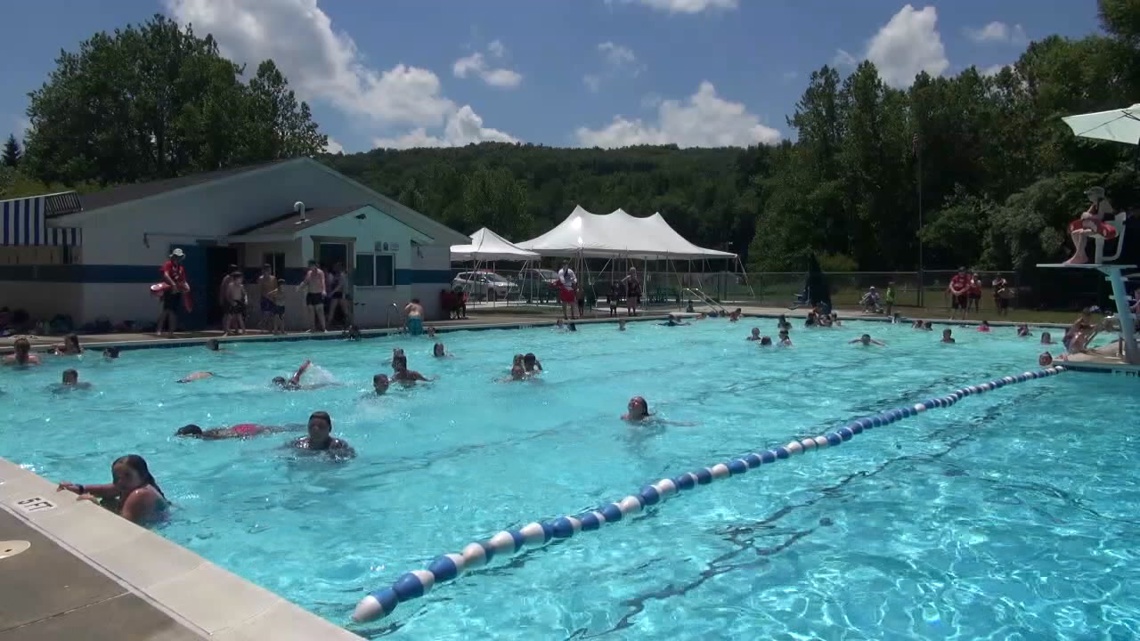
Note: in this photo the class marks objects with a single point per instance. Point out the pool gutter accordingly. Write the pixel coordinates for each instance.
(201, 599)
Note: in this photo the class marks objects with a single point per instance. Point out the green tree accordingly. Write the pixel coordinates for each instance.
(493, 198)
(12, 153)
(282, 127)
(149, 102)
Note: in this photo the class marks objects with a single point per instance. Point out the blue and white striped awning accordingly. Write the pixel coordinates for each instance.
(24, 224)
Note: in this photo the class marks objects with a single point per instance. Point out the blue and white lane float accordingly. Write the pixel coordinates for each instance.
(417, 583)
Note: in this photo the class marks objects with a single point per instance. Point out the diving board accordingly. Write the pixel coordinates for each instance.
(1113, 274)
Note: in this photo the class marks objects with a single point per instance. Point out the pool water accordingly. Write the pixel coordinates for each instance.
(1011, 515)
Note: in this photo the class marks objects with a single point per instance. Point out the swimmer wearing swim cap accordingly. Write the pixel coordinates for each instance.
(320, 438)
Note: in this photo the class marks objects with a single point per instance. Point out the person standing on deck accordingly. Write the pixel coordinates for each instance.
(266, 283)
(568, 290)
(632, 292)
(174, 275)
(315, 287)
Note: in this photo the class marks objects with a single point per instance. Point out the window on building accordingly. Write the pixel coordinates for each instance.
(375, 270)
(276, 260)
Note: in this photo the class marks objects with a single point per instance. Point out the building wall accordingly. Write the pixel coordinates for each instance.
(123, 247)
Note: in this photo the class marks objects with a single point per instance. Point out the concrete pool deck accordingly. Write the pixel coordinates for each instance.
(91, 575)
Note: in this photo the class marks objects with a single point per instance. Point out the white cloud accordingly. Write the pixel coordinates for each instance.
(1000, 33)
(464, 127)
(322, 64)
(992, 70)
(617, 61)
(334, 147)
(477, 65)
(908, 44)
(703, 120)
(684, 6)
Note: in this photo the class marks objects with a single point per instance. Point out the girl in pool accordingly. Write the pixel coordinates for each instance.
(637, 410)
(241, 430)
(1046, 338)
(132, 494)
(69, 347)
(439, 351)
(984, 327)
(1023, 331)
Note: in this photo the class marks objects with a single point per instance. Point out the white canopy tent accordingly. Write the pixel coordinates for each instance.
(620, 236)
(486, 245)
(617, 235)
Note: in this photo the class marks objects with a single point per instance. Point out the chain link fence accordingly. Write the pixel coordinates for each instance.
(533, 286)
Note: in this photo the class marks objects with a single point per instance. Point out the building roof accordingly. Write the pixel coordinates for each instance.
(126, 193)
(290, 223)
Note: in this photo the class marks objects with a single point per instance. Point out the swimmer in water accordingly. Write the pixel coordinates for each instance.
(70, 381)
(784, 339)
(293, 383)
(984, 327)
(133, 493)
(755, 336)
(1023, 331)
(196, 376)
(439, 351)
(518, 373)
(1046, 338)
(397, 353)
(866, 341)
(69, 347)
(403, 375)
(948, 336)
(320, 438)
(559, 325)
(531, 363)
(351, 333)
(1045, 359)
(214, 345)
(674, 321)
(241, 430)
(22, 354)
(637, 410)
(765, 341)
(621, 325)
(380, 384)
(430, 331)
(111, 353)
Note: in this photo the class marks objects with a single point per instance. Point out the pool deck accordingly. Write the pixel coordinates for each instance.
(91, 575)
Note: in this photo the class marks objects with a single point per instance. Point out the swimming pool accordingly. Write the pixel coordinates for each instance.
(1010, 512)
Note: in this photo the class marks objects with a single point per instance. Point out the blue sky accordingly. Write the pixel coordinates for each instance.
(558, 72)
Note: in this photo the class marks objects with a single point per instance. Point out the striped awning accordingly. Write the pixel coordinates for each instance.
(24, 223)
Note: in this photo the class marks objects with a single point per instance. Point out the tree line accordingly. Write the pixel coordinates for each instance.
(983, 160)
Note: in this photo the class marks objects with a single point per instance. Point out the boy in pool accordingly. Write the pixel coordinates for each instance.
(320, 438)
(71, 381)
(866, 341)
(947, 336)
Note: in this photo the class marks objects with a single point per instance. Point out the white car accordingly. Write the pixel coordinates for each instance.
(483, 285)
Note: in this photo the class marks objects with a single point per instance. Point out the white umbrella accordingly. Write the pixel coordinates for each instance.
(1117, 125)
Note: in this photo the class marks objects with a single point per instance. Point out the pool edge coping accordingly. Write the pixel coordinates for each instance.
(193, 341)
(203, 597)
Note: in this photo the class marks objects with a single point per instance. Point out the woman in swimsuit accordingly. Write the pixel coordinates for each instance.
(241, 430)
(133, 493)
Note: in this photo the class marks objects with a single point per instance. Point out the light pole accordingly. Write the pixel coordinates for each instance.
(916, 142)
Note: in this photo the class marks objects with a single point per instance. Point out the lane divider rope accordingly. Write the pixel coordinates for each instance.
(417, 583)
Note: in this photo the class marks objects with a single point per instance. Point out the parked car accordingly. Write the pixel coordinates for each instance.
(483, 285)
(538, 285)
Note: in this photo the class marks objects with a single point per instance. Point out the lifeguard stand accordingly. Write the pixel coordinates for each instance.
(1115, 275)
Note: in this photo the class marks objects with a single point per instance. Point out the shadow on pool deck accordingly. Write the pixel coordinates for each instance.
(46, 593)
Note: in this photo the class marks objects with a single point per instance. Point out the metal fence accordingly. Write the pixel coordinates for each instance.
(768, 289)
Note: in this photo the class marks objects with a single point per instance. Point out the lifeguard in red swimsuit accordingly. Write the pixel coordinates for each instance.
(1092, 221)
(567, 289)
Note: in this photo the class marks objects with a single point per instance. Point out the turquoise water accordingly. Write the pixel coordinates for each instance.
(1009, 515)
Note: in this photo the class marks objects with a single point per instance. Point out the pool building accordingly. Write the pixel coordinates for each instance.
(91, 257)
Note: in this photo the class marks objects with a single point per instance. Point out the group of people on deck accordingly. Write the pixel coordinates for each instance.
(573, 296)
